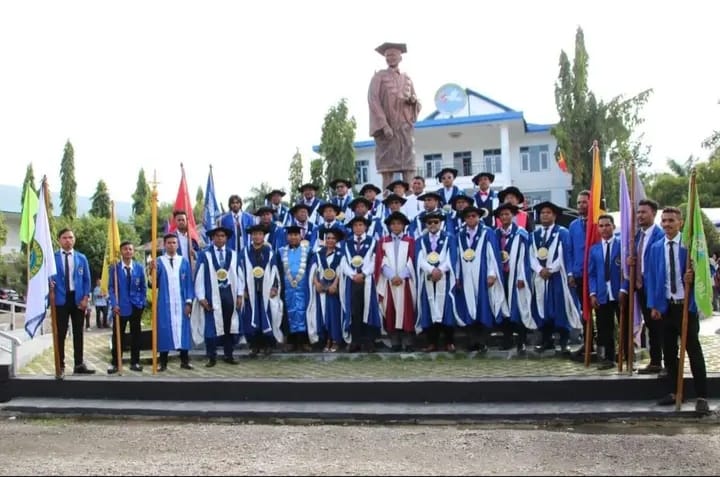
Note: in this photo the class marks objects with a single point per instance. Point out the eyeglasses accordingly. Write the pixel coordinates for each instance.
(431, 222)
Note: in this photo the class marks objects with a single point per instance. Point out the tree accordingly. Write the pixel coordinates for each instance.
(100, 205)
(256, 199)
(583, 119)
(295, 176)
(68, 185)
(29, 181)
(682, 170)
(142, 223)
(668, 189)
(3, 230)
(317, 175)
(336, 143)
(199, 206)
(141, 196)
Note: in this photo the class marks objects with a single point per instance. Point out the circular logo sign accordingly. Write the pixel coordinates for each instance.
(450, 98)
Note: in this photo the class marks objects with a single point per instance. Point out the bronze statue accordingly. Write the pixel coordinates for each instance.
(394, 109)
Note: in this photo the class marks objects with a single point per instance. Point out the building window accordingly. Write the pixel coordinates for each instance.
(492, 161)
(361, 171)
(534, 198)
(462, 161)
(433, 164)
(534, 158)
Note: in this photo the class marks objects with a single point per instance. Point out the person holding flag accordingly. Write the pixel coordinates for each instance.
(674, 295)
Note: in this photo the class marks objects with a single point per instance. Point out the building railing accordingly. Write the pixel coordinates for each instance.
(12, 349)
(13, 305)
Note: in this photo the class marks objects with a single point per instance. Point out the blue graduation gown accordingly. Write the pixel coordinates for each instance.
(173, 326)
(293, 268)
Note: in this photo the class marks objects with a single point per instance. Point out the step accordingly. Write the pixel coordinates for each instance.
(339, 411)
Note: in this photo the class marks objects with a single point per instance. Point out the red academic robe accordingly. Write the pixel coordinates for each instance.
(396, 317)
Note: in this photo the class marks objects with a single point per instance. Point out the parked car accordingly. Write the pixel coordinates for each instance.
(9, 294)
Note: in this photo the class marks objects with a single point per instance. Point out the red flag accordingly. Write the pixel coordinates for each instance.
(561, 162)
(182, 202)
(592, 233)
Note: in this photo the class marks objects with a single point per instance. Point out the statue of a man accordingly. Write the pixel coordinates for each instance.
(394, 109)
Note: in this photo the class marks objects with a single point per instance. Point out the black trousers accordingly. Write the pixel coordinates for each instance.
(65, 315)
(671, 322)
(101, 315)
(227, 304)
(184, 356)
(361, 333)
(433, 334)
(605, 316)
(655, 331)
(135, 335)
(547, 335)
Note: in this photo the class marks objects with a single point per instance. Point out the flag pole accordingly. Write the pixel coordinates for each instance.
(586, 286)
(59, 372)
(686, 303)
(630, 312)
(153, 271)
(116, 319)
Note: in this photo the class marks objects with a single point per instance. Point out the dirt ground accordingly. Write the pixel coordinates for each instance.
(157, 447)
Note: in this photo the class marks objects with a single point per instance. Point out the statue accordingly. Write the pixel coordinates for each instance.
(394, 109)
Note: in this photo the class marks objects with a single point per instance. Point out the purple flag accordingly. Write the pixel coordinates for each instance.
(627, 214)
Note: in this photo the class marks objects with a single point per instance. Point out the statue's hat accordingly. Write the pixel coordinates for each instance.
(387, 45)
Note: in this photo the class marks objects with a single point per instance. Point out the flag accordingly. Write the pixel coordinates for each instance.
(638, 188)
(112, 249)
(561, 162)
(182, 202)
(693, 236)
(592, 234)
(211, 211)
(27, 219)
(41, 268)
(627, 241)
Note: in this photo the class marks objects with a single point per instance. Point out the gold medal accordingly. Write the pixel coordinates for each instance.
(433, 258)
(329, 274)
(305, 243)
(293, 283)
(356, 261)
(504, 256)
(447, 207)
(542, 253)
(258, 272)
(341, 216)
(469, 254)
(222, 274)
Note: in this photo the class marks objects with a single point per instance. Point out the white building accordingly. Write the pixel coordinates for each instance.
(485, 136)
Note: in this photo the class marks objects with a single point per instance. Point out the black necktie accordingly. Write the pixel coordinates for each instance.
(127, 277)
(607, 261)
(171, 263)
(67, 271)
(673, 276)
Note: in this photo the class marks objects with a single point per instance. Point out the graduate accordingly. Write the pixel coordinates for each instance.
(554, 306)
(436, 263)
(371, 192)
(324, 312)
(292, 265)
(485, 198)
(219, 292)
(328, 212)
(395, 275)
(358, 290)
(361, 208)
(342, 199)
(431, 204)
(281, 212)
(399, 188)
(455, 218)
(513, 196)
(263, 311)
(393, 203)
(300, 214)
(481, 295)
(448, 190)
(237, 221)
(514, 244)
(308, 192)
(274, 234)
(175, 297)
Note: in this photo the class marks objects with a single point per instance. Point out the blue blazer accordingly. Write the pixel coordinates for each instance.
(656, 269)
(490, 204)
(81, 277)
(578, 233)
(128, 297)
(655, 235)
(596, 271)
(455, 191)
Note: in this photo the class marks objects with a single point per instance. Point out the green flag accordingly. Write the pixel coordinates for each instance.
(697, 249)
(27, 220)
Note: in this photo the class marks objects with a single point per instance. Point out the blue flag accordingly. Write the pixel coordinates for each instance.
(211, 212)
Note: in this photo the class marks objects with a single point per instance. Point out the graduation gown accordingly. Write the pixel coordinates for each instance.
(477, 260)
(515, 255)
(175, 288)
(324, 311)
(292, 265)
(360, 259)
(345, 212)
(397, 303)
(261, 313)
(436, 302)
(490, 203)
(446, 196)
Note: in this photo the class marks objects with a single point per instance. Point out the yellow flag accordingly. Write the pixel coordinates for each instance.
(112, 249)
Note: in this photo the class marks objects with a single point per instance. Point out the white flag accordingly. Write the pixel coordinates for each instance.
(42, 268)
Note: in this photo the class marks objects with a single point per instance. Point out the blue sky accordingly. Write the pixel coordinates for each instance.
(240, 85)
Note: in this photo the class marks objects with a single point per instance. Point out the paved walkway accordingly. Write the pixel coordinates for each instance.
(37, 359)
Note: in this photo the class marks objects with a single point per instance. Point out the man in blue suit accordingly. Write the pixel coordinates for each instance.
(72, 293)
(604, 287)
(578, 235)
(648, 234)
(667, 289)
(237, 222)
(128, 291)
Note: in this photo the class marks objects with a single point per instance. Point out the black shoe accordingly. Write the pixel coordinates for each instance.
(667, 400)
(135, 367)
(409, 349)
(186, 366)
(112, 369)
(701, 407)
(521, 349)
(650, 369)
(606, 365)
(396, 348)
(663, 373)
(211, 362)
(230, 360)
(162, 367)
(82, 369)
